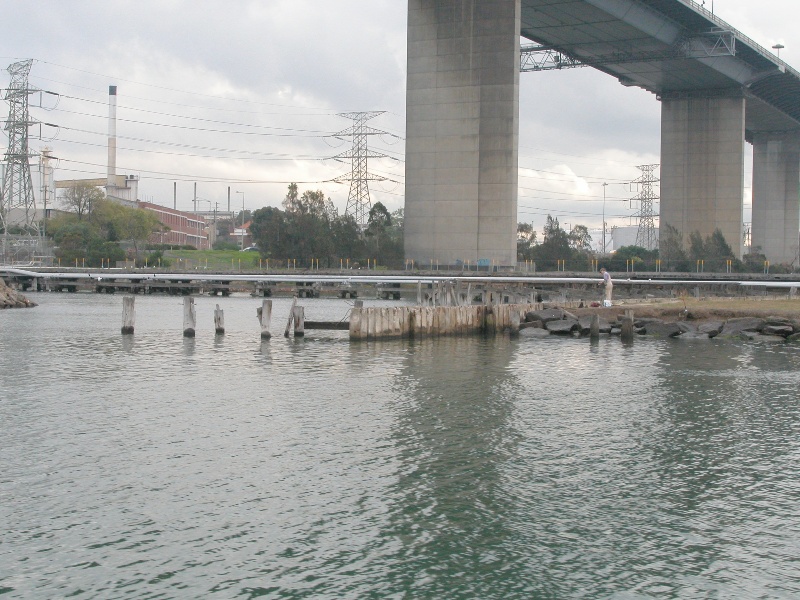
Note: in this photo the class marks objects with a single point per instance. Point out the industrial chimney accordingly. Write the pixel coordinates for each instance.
(112, 135)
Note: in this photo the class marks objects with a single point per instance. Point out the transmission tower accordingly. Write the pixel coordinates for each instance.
(17, 206)
(358, 201)
(646, 235)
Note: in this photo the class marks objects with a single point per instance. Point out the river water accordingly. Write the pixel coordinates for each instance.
(155, 466)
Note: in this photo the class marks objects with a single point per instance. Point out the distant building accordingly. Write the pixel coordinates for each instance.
(184, 229)
(625, 236)
(242, 235)
(122, 189)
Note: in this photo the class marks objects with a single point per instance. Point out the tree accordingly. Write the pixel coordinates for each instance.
(670, 247)
(555, 246)
(269, 229)
(377, 225)
(526, 240)
(81, 198)
(579, 238)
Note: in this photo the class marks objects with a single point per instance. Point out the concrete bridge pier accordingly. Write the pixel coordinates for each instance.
(462, 131)
(776, 195)
(702, 166)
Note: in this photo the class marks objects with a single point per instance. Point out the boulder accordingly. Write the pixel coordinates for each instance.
(545, 316)
(711, 328)
(735, 327)
(793, 339)
(534, 332)
(754, 336)
(662, 329)
(563, 327)
(781, 330)
(531, 325)
(10, 298)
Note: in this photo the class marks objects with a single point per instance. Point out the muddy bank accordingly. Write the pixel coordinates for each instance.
(12, 299)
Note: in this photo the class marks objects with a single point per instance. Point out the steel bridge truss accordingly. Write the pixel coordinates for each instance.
(713, 43)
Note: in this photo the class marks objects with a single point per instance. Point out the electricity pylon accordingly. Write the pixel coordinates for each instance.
(646, 235)
(17, 205)
(358, 201)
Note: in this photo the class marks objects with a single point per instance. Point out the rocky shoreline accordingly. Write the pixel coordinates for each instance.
(684, 325)
(13, 299)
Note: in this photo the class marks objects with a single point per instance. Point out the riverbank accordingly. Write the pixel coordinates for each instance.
(10, 298)
(768, 320)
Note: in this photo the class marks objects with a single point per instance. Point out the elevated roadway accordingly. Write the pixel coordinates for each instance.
(717, 87)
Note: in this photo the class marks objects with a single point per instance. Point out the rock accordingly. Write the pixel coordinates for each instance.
(754, 336)
(793, 339)
(775, 320)
(643, 322)
(734, 327)
(545, 316)
(531, 325)
(712, 328)
(563, 327)
(781, 330)
(12, 299)
(687, 327)
(616, 330)
(662, 329)
(534, 332)
(586, 323)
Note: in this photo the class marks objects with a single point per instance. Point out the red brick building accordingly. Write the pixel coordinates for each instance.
(184, 229)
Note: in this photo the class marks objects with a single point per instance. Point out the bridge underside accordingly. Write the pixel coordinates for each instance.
(718, 89)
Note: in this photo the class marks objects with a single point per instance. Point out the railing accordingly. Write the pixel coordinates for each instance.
(739, 35)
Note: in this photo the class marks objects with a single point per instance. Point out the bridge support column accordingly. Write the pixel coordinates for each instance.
(462, 131)
(702, 167)
(776, 195)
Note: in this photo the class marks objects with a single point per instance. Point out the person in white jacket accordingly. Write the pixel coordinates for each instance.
(609, 286)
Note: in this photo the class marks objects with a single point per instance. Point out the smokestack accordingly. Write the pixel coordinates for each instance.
(112, 135)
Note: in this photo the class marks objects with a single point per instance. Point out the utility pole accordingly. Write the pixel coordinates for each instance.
(605, 185)
(358, 201)
(17, 204)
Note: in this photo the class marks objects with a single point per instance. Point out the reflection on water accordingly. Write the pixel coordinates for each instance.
(160, 466)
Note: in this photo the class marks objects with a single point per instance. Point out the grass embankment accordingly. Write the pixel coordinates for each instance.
(711, 309)
(214, 260)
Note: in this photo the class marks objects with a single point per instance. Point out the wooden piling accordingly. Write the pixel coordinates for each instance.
(627, 327)
(298, 315)
(265, 318)
(594, 328)
(189, 317)
(219, 321)
(128, 315)
(291, 316)
(514, 321)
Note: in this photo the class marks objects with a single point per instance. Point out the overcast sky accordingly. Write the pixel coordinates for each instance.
(245, 95)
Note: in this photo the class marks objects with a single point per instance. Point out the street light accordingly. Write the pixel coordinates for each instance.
(242, 231)
(778, 47)
(605, 185)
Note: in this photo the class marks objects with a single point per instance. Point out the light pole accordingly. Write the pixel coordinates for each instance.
(242, 231)
(778, 47)
(605, 185)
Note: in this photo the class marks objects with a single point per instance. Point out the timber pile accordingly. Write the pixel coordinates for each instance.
(12, 299)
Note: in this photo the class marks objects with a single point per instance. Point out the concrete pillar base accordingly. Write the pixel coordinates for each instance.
(776, 196)
(462, 131)
(702, 167)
